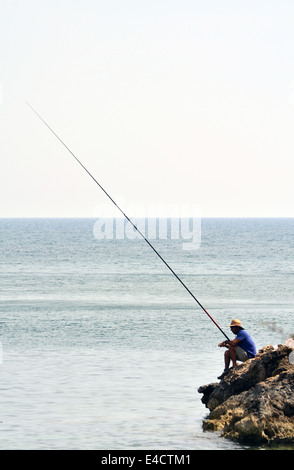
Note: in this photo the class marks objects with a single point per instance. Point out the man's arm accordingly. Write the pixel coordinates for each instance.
(227, 343)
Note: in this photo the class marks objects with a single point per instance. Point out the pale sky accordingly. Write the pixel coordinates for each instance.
(164, 101)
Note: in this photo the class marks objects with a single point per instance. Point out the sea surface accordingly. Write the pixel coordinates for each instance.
(103, 348)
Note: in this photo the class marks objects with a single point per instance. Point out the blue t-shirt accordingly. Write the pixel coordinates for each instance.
(246, 343)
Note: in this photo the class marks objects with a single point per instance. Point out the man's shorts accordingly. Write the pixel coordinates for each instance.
(241, 354)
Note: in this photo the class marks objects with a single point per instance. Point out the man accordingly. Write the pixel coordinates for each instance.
(241, 348)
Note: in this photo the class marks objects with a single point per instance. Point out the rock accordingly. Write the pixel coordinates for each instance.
(254, 402)
(290, 343)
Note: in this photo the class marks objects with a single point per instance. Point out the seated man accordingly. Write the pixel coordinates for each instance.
(239, 349)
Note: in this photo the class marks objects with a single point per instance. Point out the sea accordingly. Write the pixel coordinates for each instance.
(103, 348)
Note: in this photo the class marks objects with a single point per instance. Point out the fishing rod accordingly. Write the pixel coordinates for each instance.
(128, 219)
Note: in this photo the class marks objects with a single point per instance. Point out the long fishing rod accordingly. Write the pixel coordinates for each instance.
(128, 219)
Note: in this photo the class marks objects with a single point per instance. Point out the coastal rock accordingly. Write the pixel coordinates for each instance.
(254, 402)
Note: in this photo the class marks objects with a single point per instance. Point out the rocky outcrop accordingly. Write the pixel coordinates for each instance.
(254, 402)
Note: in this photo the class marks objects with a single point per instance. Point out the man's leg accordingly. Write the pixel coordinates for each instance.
(230, 355)
(227, 359)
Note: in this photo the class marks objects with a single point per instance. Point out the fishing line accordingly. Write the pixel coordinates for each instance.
(128, 219)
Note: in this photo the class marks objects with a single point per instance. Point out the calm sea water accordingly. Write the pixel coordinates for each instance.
(104, 349)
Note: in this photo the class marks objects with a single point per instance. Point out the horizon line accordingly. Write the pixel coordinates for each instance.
(155, 217)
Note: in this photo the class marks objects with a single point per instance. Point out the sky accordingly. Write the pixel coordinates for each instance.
(166, 102)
